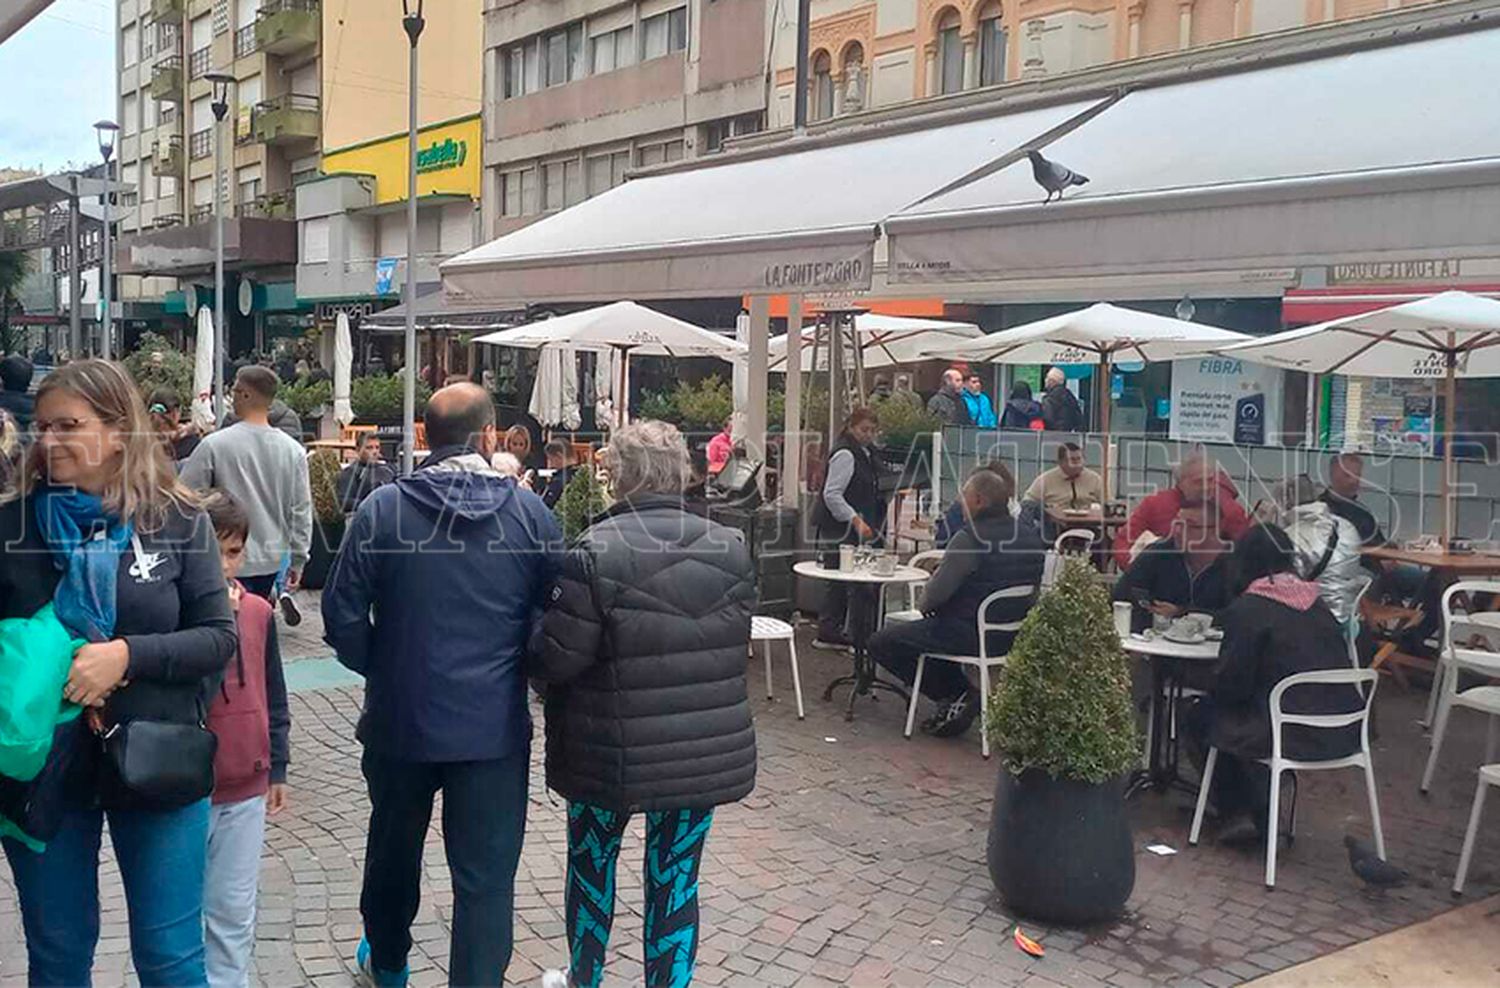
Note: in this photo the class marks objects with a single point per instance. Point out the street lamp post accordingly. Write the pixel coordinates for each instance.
(221, 82)
(412, 23)
(106, 130)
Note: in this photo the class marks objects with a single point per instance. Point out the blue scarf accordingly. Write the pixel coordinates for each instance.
(86, 543)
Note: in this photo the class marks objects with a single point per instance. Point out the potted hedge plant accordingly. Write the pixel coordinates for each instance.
(1060, 846)
(583, 499)
(378, 399)
(328, 517)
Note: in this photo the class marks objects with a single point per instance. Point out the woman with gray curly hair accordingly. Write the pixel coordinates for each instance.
(643, 653)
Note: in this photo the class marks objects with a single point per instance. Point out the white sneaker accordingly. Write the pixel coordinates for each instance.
(556, 979)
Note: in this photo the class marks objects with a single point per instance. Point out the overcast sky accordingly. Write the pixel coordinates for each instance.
(57, 76)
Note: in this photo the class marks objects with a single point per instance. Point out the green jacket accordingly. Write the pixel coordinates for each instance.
(35, 656)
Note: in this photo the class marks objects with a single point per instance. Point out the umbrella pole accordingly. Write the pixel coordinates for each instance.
(621, 398)
(1104, 403)
(1315, 402)
(1450, 387)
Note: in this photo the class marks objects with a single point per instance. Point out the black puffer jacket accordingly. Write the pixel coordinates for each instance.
(643, 649)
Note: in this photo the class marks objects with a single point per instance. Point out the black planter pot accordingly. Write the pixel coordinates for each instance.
(326, 538)
(1060, 851)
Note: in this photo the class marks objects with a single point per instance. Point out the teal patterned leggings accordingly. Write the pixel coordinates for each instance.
(674, 848)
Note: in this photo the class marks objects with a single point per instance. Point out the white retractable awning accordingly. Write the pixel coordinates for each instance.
(758, 222)
(1391, 151)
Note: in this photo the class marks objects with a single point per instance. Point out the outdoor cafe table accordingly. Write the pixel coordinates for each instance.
(1166, 658)
(865, 587)
(1450, 565)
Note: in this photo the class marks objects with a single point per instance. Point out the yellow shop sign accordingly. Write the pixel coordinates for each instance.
(448, 161)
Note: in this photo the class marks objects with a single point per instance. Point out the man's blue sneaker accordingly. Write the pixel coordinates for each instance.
(368, 974)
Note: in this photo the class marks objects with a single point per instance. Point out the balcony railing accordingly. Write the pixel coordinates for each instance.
(201, 144)
(245, 42)
(166, 79)
(286, 26)
(271, 206)
(167, 219)
(287, 118)
(200, 63)
(200, 214)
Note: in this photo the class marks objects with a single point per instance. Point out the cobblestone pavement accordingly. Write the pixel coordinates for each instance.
(859, 860)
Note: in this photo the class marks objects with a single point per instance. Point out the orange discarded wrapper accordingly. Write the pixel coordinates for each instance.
(1027, 944)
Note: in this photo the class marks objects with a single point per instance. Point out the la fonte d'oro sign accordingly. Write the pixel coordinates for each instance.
(846, 273)
(442, 155)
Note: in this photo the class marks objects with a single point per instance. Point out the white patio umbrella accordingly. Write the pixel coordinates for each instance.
(1441, 337)
(554, 396)
(624, 328)
(202, 411)
(884, 341)
(343, 370)
(1100, 334)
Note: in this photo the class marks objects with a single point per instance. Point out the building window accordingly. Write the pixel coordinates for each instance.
(605, 171)
(611, 50)
(130, 45)
(822, 87)
(315, 240)
(522, 69)
(129, 114)
(518, 193)
(562, 184)
(719, 131)
(562, 56)
(664, 34)
(854, 78)
(247, 185)
(658, 153)
(950, 55)
(148, 38)
(991, 48)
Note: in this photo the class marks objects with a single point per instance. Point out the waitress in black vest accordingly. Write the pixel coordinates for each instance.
(850, 512)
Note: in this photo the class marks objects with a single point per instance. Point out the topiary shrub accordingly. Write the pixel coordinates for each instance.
(322, 480)
(581, 502)
(306, 397)
(1063, 704)
(156, 363)
(380, 398)
(704, 407)
(903, 420)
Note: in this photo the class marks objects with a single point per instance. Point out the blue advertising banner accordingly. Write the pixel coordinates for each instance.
(385, 273)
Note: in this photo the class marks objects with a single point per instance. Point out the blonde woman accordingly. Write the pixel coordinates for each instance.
(104, 532)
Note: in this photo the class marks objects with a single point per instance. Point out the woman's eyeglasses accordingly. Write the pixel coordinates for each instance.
(61, 426)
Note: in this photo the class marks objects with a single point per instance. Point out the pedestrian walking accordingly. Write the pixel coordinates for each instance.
(265, 470)
(977, 403)
(948, 403)
(432, 600)
(1061, 411)
(252, 722)
(128, 563)
(642, 652)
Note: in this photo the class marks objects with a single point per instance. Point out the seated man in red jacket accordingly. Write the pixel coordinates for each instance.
(1199, 479)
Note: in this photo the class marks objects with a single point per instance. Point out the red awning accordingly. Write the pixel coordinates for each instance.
(1305, 306)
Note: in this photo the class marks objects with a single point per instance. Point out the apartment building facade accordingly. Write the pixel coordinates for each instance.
(578, 93)
(868, 54)
(352, 218)
(270, 141)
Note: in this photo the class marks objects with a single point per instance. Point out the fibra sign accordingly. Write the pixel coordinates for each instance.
(442, 156)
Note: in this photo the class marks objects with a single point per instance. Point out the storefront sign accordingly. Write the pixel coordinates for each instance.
(385, 273)
(329, 311)
(816, 274)
(442, 155)
(1219, 399)
(1395, 272)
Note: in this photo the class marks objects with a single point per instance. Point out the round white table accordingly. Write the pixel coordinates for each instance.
(863, 679)
(1165, 656)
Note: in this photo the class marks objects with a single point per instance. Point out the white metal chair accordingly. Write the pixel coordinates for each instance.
(1279, 763)
(1484, 698)
(1065, 545)
(1352, 623)
(912, 611)
(1456, 622)
(1489, 775)
(984, 661)
(767, 630)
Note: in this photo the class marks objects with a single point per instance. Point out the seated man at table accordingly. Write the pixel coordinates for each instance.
(1197, 480)
(1277, 625)
(989, 553)
(560, 461)
(1346, 473)
(953, 520)
(1184, 572)
(1069, 486)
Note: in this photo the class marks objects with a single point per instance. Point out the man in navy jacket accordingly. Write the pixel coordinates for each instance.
(432, 599)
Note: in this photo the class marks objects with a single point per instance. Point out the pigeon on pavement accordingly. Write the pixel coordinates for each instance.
(1370, 869)
(1052, 176)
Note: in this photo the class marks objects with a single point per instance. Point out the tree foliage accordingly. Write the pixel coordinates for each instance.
(156, 363)
(1063, 703)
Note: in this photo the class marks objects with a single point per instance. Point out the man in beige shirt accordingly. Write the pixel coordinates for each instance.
(1068, 485)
